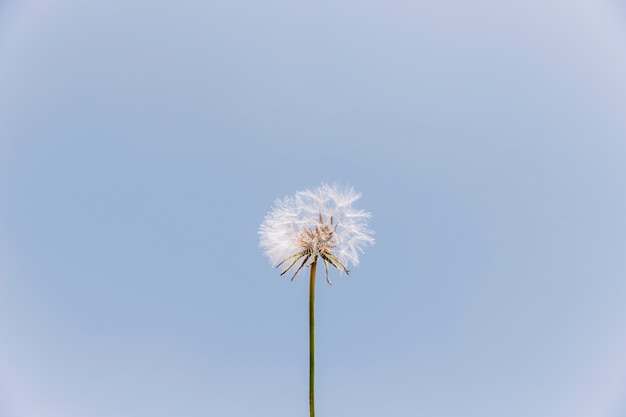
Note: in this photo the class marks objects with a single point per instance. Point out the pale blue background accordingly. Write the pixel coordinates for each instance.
(142, 143)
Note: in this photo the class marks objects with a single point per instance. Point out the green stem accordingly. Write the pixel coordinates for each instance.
(312, 338)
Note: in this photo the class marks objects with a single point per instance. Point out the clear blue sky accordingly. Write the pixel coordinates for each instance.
(142, 144)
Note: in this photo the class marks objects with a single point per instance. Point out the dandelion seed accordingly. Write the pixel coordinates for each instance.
(319, 223)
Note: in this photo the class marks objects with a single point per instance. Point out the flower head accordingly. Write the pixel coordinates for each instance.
(318, 223)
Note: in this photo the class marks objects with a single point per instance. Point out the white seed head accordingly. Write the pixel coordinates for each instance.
(316, 222)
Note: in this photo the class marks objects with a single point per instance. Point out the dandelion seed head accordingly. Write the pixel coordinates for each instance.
(318, 221)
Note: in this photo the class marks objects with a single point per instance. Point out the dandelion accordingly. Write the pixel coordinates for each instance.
(318, 224)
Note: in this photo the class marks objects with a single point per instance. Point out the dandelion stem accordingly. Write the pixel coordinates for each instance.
(312, 338)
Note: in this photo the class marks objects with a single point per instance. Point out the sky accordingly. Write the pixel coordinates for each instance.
(142, 144)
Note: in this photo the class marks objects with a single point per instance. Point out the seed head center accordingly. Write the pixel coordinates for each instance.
(318, 240)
